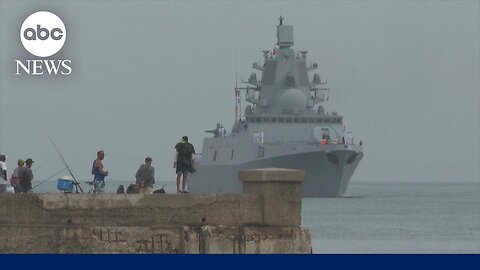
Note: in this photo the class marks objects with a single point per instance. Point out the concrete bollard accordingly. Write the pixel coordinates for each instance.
(280, 189)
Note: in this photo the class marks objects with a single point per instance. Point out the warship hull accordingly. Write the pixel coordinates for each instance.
(327, 171)
(284, 126)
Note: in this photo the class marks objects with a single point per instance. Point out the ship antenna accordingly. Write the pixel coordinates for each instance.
(236, 71)
(237, 92)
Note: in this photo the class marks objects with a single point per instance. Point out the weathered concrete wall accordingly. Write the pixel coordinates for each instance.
(131, 209)
(281, 193)
(265, 219)
(163, 239)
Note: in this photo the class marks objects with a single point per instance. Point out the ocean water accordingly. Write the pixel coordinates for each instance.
(396, 218)
(399, 217)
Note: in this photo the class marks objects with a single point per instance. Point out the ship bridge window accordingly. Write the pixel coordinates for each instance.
(319, 120)
(327, 120)
(289, 120)
(274, 119)
(281, 119)
(304, 120)
(296, 120)
(266, 119)
(311, 120)
(258, 119)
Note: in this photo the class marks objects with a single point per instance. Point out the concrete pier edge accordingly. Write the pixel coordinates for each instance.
(266, 218)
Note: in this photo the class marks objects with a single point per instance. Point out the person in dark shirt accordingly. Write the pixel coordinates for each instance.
(98, 172)
(183, 162)
(146, 177)
(26, 177)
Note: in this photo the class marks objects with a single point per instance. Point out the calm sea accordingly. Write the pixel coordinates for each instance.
(384, 217)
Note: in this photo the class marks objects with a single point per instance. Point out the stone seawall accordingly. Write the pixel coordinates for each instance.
(265, 219)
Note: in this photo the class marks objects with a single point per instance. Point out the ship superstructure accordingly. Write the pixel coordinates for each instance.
(284, 126)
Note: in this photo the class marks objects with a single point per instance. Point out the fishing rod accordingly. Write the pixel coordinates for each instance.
(77, 184)
(49, 177)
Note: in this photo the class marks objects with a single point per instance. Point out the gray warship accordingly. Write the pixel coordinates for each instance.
(284, 126)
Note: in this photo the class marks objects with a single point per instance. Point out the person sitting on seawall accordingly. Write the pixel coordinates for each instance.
(98, 172)
(146, 177)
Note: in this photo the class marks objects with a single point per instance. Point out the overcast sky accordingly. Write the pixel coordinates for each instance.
(405, 75)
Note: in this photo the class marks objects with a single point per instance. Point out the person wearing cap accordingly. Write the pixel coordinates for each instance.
(98, 172)
(146, 177)
(26, 177)
(15, 179)
(183, 162)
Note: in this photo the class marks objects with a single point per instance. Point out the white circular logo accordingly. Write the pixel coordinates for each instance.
(43, 34)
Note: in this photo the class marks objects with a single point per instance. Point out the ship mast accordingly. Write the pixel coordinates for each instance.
(238, 104)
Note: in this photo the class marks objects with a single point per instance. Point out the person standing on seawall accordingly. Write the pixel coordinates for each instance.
(98, 172)
(26, 177)
(15, 179)
(183, 162)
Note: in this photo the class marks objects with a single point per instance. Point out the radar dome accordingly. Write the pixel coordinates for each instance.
(293, 101)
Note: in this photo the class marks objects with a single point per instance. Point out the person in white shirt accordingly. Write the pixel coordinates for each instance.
(3, 169)
(15, 179)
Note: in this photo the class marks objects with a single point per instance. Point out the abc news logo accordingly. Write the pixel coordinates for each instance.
(43, 34)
